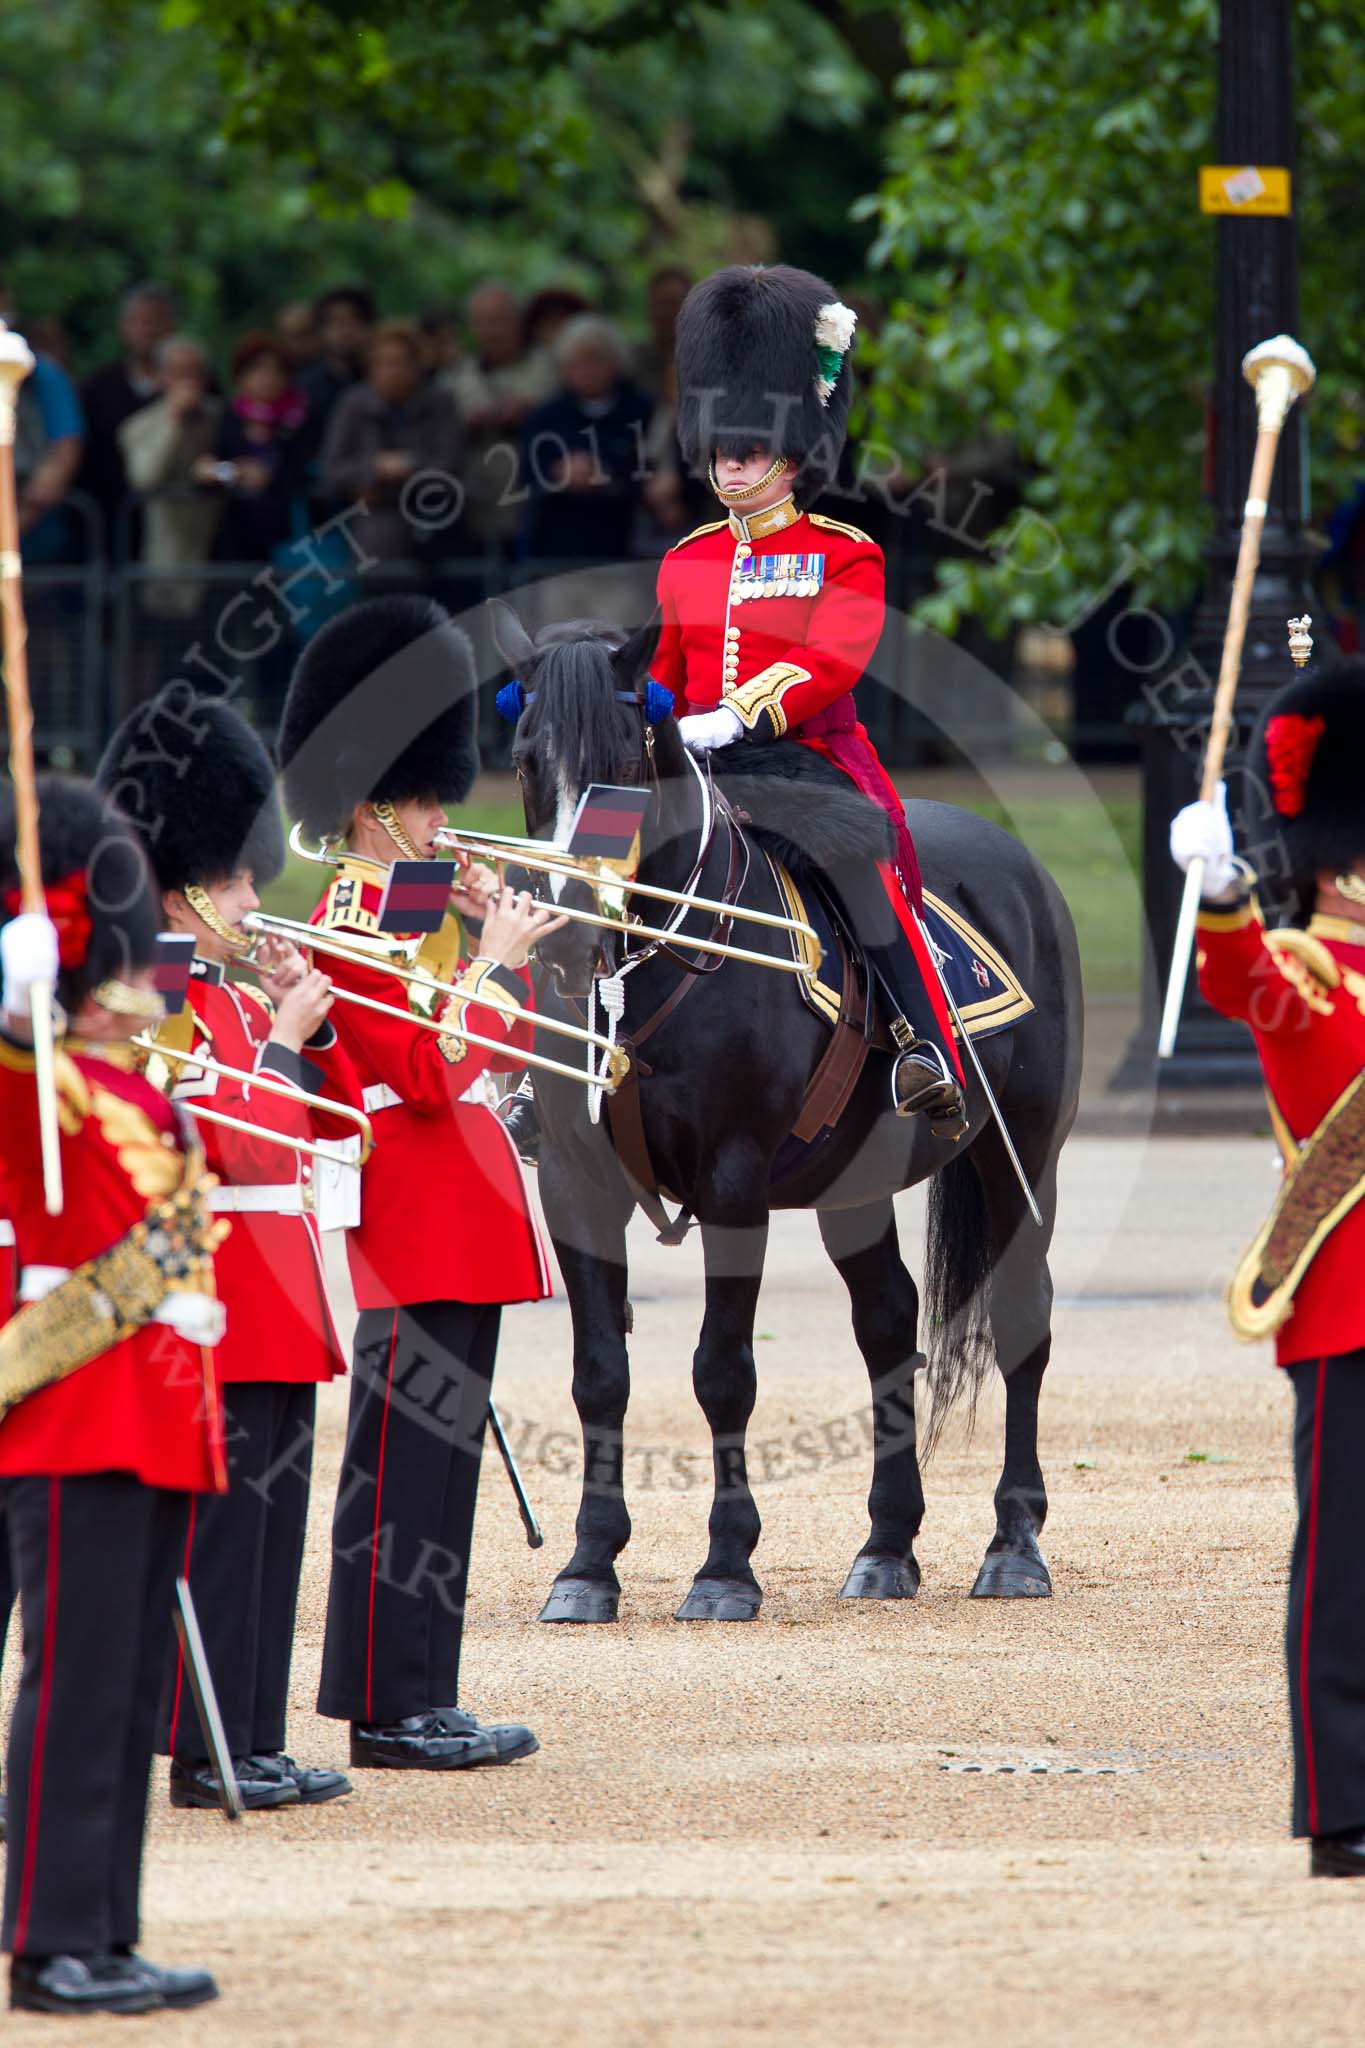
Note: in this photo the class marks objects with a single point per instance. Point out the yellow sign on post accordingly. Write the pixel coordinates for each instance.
(1244, 188)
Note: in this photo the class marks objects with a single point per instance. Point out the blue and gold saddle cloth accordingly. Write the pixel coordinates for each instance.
(989, 995)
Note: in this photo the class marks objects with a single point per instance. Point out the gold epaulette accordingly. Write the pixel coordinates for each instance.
(1308, 954)
(343, 907)
(256, 999)
(712, 526)
(838, 526)
(73, 1096)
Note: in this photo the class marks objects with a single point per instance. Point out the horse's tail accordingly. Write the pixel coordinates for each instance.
(959, 1253)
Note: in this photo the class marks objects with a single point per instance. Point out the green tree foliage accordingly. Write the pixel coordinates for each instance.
(252, 151)
(1055, 279)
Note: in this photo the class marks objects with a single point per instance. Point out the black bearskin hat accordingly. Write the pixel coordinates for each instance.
(763, 361)
(382, 708)
(199, 786)
(1306, 761)
(99, 891)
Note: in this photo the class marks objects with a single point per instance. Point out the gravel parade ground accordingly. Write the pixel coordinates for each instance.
(941, 1822)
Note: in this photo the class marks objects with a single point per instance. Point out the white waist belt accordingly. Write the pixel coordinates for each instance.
(201, 1318)
(380, 1096)
(288, 1198)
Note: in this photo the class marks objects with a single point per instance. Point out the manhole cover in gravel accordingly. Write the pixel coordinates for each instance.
(1035, 1767)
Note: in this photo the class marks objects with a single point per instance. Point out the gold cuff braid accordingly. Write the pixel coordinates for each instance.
(467, 988)
(112, 1295)
(762, 695)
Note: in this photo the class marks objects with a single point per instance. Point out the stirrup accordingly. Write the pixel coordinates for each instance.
(932, 1090)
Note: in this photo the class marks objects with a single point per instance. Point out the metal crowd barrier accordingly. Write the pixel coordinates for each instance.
(108, 631)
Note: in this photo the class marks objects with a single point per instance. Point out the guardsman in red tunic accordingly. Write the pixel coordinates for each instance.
(770, 615)
(109, 1413)
(199, 786)
(8, 1279)
(377, 737)
(1301, 989)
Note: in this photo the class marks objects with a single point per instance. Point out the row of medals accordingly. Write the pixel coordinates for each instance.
(777, 576)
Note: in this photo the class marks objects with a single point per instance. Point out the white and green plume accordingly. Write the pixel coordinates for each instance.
(834, 325)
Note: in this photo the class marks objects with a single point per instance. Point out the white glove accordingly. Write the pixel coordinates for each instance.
(28, 954)
(707, 729)
(1202, 832)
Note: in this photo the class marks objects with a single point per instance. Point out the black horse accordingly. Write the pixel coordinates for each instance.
(727, 1071)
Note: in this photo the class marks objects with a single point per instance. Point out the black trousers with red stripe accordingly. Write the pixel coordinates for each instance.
(94, 1560)
(245, 1554)
(1325, 1634)
(420, 1387)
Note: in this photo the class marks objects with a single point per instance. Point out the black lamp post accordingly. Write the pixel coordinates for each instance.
(1257, 297)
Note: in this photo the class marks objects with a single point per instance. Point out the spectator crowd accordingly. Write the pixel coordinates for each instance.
(552, 433)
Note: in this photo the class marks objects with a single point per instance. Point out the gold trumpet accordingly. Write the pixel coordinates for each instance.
(177, 1056)
(553, 860)
(308, 939)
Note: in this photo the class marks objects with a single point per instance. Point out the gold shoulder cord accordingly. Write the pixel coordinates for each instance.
(1323, 1184)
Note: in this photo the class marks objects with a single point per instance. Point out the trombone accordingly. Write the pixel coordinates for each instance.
(550, 859)
(307, 937)
(175, 1057)
(237, 1123)
(508, 850)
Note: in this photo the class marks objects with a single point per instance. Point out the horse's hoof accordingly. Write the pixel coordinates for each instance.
(1013, 1575)
(721, 1600)
(881, 1578)
(580, 1600)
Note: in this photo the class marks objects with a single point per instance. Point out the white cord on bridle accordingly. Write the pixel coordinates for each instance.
(610, 989)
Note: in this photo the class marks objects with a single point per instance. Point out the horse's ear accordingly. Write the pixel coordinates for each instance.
(631, 660)
(514, 643)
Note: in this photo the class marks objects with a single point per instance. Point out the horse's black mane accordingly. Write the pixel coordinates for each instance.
(805, 811)
(571, 685)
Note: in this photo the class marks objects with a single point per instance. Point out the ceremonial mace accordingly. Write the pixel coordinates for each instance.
(16, 360)
(1279, 371)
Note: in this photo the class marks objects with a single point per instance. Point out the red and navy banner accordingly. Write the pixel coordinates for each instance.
(416, 896)
(171, 969)
(606, 825)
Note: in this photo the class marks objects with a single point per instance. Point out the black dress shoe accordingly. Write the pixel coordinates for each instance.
(73, 1984)
(197, 1785)
(177, 1988)
(315, 1784)
(420, 1742)
(1338, 1855)
(512, 1741)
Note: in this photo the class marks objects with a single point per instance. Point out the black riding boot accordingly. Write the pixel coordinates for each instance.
(924, 1079)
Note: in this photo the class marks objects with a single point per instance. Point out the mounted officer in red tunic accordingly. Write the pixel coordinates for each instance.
(1301, 989)
(771, 614)
(200, 788)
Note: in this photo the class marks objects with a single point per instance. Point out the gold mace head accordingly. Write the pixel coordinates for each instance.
(16, 357)
(1279, 371)
(16, 360)
(1300, 639)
